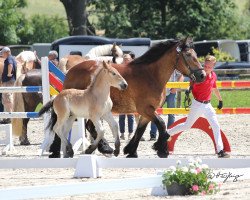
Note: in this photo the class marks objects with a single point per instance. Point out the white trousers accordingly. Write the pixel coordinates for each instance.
(197, 110)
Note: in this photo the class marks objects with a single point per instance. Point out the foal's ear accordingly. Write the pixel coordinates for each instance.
(114, 44)
(105, 65)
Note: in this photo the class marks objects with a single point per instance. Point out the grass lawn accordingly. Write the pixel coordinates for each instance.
(234, 98)
(44, 7)
(231, 99)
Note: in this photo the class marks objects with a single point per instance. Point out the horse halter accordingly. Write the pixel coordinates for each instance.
(113, 52)
(192, 72)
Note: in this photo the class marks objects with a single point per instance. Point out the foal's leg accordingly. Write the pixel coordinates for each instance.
(100, 133)
(66, 145)
(132, 146)
(114, 128)
(103, 145)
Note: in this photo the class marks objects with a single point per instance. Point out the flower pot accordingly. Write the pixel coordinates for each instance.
(176, 189)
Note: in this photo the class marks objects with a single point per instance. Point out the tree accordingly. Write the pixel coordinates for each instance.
(134, 18)
(42, 28)
(77, 17)
(9, 20)
(168, 19)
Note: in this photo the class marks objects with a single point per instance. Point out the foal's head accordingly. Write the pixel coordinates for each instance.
(114, 78)
(187, 62)
(116, 51)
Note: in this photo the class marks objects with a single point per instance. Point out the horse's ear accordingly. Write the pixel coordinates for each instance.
(114, 44)
(105, 65)
(188, 40)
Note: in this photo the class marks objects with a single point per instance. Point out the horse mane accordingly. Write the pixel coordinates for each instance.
(101, 50)
(94, 76)
(155, 52)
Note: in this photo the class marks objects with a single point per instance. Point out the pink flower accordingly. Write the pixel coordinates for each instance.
(198, 170)
(203, 193)
(195, 188)
(211, 187)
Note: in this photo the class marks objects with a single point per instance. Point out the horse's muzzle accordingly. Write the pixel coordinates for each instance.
(198, 76)
(123, 86)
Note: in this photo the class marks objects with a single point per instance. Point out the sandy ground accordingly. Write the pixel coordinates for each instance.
(191, 143)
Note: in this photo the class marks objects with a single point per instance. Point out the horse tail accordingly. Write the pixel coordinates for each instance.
(52, 120)
(18, 106)
(46, 108)
(53, 117)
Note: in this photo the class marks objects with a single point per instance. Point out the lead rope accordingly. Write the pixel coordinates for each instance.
(187, 99)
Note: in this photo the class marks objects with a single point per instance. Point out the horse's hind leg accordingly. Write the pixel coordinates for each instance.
(132, 146)
(114, 128)
(24, 138)
(103, 145)
(63, 130)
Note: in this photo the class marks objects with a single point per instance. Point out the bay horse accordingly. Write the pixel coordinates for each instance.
(107, 52)
(92, 103)
(146, 76)
(26, 102)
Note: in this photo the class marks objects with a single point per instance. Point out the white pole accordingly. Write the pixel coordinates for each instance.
(46, 98)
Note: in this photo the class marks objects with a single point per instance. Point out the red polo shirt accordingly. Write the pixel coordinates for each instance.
(202, 91)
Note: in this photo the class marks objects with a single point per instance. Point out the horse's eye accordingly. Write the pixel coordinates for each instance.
(114, 73)
(188, 54)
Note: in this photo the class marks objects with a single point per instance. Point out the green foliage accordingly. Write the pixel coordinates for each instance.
(44, 29)
(127, 19)
(194, 176)
(170, 19)
(9, 19)
(220, 56)
(16, 29)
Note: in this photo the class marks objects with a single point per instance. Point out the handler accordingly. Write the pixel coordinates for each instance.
(8, 79)
(201, 106)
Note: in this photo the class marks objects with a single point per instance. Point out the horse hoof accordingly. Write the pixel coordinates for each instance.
(105, 149)
(126, 149)
(24, 142)
(55, 155)
(116, 152)
(89, 150)
(134, 155)
(69, 151)
(162, 154)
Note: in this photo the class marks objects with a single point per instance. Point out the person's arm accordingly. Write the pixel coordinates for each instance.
(10, 68)
(217, 94)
